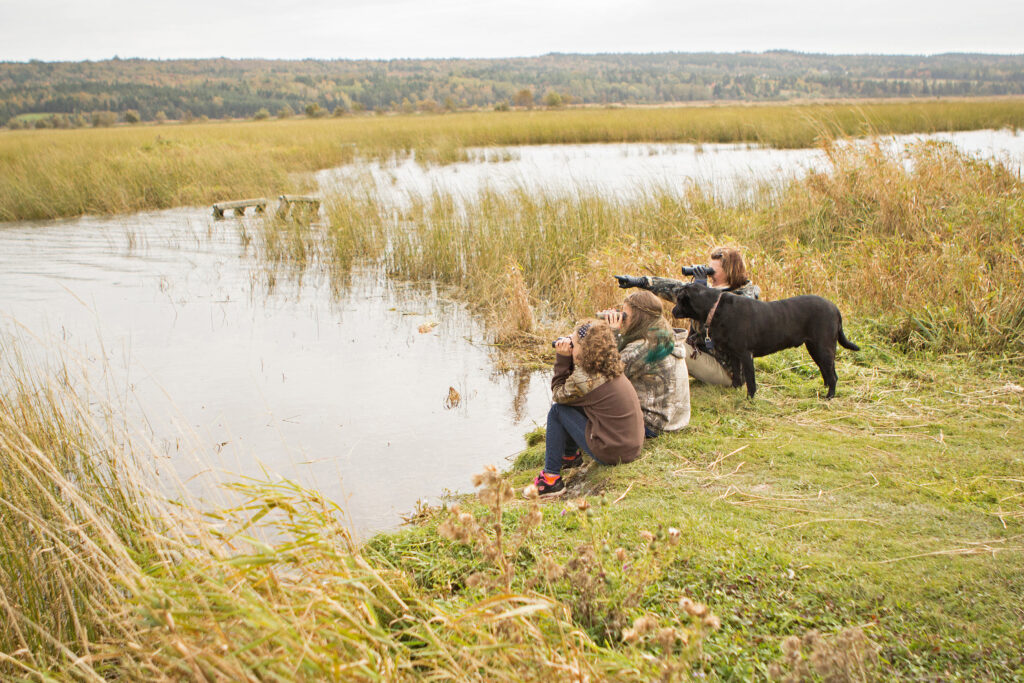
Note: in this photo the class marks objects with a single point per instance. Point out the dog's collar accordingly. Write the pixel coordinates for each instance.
(711, 313)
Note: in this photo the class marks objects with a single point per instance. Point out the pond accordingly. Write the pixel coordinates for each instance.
(346, 390)
(338, 391)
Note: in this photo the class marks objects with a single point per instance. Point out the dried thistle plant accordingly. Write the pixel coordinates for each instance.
(848, 657)
(601, 586)
(678, 644)
(487, 534)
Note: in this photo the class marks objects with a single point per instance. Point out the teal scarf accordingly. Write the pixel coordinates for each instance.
(660, 339)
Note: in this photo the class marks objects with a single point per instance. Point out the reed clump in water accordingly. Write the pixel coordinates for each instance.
(54, 173)
(924, 244)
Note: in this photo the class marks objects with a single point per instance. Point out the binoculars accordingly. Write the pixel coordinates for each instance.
(699, 273)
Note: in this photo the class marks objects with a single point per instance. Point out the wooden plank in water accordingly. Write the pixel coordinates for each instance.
(239, 206)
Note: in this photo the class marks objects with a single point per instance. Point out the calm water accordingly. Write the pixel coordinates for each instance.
(625, 169)
(340, 393)
(168, 316)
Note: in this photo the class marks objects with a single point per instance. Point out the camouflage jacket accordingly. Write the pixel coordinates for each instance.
(666, 288)
(578, 384)
(663, 387)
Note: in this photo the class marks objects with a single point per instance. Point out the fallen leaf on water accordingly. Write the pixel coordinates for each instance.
(427, 327)
(454, 398)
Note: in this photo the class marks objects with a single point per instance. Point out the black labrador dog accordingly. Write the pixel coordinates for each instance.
(745, 328)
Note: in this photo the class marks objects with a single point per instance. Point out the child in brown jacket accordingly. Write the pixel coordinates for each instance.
(595, 409)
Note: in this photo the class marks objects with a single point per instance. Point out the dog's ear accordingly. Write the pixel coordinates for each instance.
(685, 292)
(683, 308)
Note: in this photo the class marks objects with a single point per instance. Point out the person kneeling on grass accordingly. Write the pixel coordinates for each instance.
(595, 411)
(655, 361)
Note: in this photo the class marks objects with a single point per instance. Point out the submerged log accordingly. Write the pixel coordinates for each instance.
(239, 206)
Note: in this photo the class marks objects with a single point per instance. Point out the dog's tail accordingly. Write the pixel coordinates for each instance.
(846, 343)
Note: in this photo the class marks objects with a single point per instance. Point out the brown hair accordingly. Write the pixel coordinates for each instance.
(598, 353)
(732, 264)
(647, 322)
(647, 312)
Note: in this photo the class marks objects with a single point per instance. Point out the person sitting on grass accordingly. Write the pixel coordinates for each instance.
(595, 411)
(654, 360)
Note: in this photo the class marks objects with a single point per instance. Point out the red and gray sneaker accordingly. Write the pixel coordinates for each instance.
(546, 487)
(574, 461)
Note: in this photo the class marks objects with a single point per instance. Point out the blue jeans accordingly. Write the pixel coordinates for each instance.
(567, 431)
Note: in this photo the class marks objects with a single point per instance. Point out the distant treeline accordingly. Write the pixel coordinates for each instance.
(100, 93)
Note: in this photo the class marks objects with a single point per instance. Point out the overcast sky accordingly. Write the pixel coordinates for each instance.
(331, 29)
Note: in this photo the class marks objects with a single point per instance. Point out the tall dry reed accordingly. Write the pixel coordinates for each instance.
(923, 246)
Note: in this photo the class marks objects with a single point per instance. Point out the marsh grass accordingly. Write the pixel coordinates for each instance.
(920, 248)
(54, 173)
(897, 508)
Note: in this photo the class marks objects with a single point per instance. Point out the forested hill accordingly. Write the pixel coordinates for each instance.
(136, 89)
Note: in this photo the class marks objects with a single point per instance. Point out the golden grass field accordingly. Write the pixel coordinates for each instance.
(55, 173)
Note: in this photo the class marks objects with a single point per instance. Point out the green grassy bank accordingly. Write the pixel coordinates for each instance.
(54, 173)
(897, 508)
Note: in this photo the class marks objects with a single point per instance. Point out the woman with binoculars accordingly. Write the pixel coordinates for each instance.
(726, 271)
(654, 360)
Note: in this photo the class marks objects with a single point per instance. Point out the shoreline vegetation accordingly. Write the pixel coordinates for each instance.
(531, 262)
(879, 535)
(60, 173)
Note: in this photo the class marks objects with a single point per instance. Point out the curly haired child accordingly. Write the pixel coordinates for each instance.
(595, 409)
